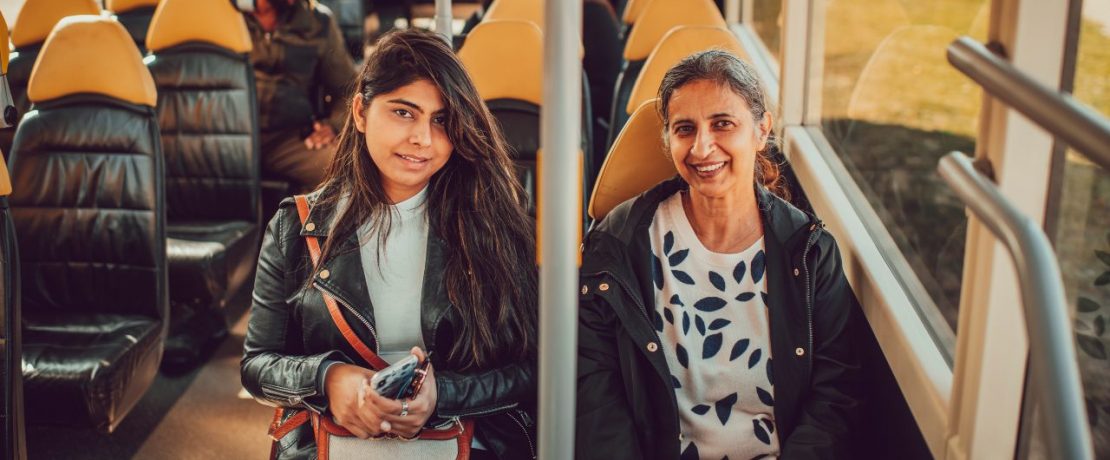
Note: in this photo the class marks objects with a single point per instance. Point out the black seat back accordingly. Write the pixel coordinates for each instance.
(35, 21)
(11, 350)
(207, 111)
(135, 15)
(87, 176)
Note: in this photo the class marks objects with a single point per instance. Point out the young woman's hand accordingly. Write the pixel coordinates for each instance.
(346, 386)
(420, 408)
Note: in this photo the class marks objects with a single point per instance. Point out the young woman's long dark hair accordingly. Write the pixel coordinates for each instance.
(475, 203)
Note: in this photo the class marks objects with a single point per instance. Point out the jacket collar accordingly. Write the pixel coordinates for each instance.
(347, 279)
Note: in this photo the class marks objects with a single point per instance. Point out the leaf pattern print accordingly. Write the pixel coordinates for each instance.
(677, 257)
(677, 301)
(765, 397)
(711, 346)
(718, 323)
(710, 304)
(738, 349)
(754, 358)
(685, 323)
(657, 320)
(745, 296)
(656, 272)
(717, 281)
(738, 272)
(759, 264)
(691, 453)
(724, 407)
(676, 382)
(761, 433)
(682, 276)
(668, 315)
(700, 409)
(699, 324)
(767, 423)
(668, 242)
(683, 358)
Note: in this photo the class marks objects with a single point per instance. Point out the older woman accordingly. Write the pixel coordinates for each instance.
(715, 320)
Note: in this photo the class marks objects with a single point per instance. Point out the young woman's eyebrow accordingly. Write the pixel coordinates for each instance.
(408, 103)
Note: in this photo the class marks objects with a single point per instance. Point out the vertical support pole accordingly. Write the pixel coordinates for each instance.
(560, 215)
(443, 19)
(732, 11)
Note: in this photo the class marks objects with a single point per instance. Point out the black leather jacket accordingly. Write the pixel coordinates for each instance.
(626, 402)
(291, 333)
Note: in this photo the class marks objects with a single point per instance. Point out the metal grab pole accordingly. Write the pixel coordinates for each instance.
(559, 215)
(1052, 356)
(443, 19)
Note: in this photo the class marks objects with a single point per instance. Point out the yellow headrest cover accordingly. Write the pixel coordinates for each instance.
(637, 161)
(91, 54)
(4, 51)
(632, 10)
(677, 44)
(5, 179)
(528, 10)
(505, 60)
(123, 6)
(38, 17)
(660, 16)
(180, 21)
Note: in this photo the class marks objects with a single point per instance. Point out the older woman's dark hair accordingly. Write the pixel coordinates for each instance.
(723, 68)
(474, 202)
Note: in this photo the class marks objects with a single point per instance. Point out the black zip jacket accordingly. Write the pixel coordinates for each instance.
(626, 404)
(291, 334)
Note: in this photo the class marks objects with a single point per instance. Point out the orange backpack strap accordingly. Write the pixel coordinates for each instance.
(364, 351)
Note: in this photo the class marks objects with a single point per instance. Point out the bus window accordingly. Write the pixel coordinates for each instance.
(767, 22)
(891, 106)
(1081, 226)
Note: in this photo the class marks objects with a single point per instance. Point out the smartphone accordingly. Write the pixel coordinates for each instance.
(394, 381)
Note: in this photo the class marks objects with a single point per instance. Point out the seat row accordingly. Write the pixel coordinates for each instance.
(135, 201)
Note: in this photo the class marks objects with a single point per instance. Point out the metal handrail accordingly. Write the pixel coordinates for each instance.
(443, 19)
(1052, 358)
(1076, 124)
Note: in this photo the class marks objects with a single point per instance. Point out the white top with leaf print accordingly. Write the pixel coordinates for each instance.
(711, 317)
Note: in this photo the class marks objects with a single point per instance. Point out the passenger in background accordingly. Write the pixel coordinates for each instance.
(425, 243)
(300, 60)
(694, 288)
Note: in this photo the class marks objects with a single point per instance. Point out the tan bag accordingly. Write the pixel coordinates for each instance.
(334, 441)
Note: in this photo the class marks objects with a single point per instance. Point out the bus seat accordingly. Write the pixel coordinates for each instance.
(637, 161)
(632, 10)
(679, 43)
(135, 15)
(33, 23)
(527, 10)
(87, 200)
(513, 92)
(657, 18)
(11, 342)
(602, 63)
(209, 130)
(350, 15)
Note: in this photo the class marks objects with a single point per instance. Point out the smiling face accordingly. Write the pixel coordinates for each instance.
(404, 131)
(713, 139)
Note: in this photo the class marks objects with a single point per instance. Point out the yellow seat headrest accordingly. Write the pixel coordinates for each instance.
(632, 10)
(179, 21)
(38, 17)
(91, 54)
(505, 60)
(679, 43)
(5, 52)
(5, 178)
(660, 16)
(123, 6)
(637, 161)
(528, 10)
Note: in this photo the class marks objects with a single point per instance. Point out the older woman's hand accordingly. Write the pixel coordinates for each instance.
(419, 408)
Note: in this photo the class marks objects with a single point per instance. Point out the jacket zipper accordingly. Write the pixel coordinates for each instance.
(531, 447)
(373, 332)
(809, 288)
(482, 412)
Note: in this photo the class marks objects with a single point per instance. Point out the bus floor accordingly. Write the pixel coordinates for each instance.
(200, 414)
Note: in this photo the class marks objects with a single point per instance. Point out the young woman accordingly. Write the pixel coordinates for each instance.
(416, 203)
(715, 319)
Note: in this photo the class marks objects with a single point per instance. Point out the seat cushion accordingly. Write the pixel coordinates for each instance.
(206, 260)
(87, 369)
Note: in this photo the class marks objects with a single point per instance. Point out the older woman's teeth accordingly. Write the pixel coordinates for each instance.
(709, 168)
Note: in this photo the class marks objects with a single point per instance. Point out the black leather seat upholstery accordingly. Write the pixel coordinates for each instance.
(35, 21)
(88, 206)
(602, 63)
(135, 15)
(208, 119)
